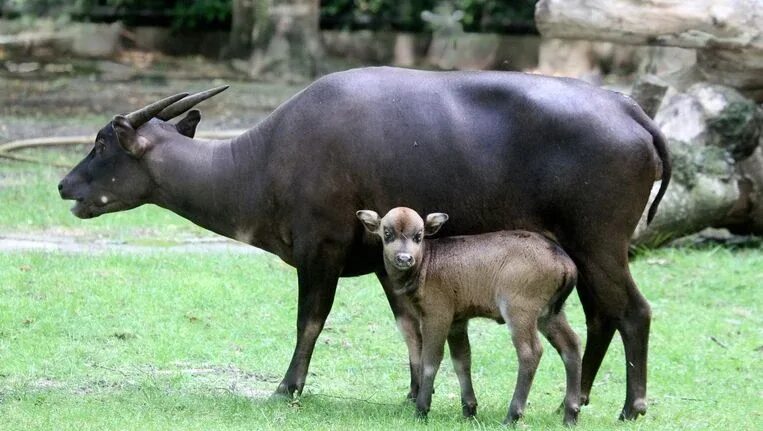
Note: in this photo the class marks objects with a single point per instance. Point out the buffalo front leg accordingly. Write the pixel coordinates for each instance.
(407, 320)
(461, 355)
(317, 287)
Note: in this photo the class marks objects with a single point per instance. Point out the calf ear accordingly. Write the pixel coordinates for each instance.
(434, 223)
(129, 139)
(187, 126)
(370, 220)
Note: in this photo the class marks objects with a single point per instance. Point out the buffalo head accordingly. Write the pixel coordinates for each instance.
(114, 176)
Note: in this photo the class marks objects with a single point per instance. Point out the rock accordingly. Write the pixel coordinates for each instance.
(648, 92)
(709, 128)
(96, 40)
(713, 237)
(747, 214)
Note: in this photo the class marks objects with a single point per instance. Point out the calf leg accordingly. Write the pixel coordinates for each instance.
(557, 331)
(460, 353)
(407, 320)
(318, 278)
(524, 335)
(434, 332)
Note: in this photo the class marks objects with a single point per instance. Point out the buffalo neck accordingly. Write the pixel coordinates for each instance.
(198, 180)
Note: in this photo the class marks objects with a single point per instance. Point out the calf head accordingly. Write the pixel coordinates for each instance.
(114, 175)
(402, 231)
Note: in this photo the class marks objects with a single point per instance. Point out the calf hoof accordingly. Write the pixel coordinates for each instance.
(469, 410)
(632, 411)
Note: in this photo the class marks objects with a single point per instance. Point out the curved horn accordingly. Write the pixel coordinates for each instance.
(187, 103)
(141, 116)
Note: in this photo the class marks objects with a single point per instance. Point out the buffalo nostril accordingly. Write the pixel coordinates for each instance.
(60, 186)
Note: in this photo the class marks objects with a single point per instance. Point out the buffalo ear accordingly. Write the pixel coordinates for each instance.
(370, 220)
(128, 138)
(434, 222)
(187, 126)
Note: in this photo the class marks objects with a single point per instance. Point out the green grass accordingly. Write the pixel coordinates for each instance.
(33, 204)
(199, 341)
(186, 341)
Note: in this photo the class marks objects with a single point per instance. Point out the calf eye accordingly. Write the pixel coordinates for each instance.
(417, 237)
(388, 235)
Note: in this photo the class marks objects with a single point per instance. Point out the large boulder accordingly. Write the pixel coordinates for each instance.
(712, 131)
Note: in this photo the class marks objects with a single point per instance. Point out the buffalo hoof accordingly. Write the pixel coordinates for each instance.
(584, 399)
(469, 410)
(633, 410)
(571, 415)
(421, 415)
(286, 391)
(513, 417)
(412, 396)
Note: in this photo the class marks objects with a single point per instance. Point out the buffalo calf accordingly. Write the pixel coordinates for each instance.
(517, 277)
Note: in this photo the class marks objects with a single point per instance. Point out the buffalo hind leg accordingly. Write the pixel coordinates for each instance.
(612, 301)
(599, 329)
(407, 320)
(317, 286)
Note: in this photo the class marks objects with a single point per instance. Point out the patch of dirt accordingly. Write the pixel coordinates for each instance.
(73, 243)
(82, 100)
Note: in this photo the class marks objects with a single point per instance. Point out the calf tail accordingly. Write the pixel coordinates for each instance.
(569, 280)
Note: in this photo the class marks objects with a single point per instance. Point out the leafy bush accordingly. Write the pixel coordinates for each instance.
(405, 15)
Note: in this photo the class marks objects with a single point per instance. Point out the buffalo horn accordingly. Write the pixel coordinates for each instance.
(187, 103)
(141, 116)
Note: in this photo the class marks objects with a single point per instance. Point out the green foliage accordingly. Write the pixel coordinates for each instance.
(177, 13)
(479, 15)
(200, 12)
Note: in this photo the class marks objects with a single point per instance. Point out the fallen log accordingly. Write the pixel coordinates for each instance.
(9, 147)
(726, 24)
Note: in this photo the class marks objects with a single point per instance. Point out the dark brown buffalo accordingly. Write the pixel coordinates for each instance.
(495, 150)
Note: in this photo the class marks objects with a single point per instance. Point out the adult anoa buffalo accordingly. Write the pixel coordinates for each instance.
(495, 150)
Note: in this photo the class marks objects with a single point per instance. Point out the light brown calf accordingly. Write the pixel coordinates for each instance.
(517, 277)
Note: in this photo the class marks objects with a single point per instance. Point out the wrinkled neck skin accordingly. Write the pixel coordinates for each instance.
(200, 181)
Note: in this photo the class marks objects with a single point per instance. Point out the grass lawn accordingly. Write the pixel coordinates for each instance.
(199, 341)
(188, 341)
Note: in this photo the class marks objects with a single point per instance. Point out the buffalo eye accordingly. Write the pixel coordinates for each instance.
(99, 147)
(388, 235)
(417, 237)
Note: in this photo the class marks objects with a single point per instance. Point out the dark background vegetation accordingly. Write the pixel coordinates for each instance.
(403, 15)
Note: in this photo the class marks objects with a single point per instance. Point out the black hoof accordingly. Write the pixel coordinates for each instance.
(469, 410)
(634, 410)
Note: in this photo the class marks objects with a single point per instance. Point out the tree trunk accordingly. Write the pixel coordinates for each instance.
(242, 25)
(287, 40)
